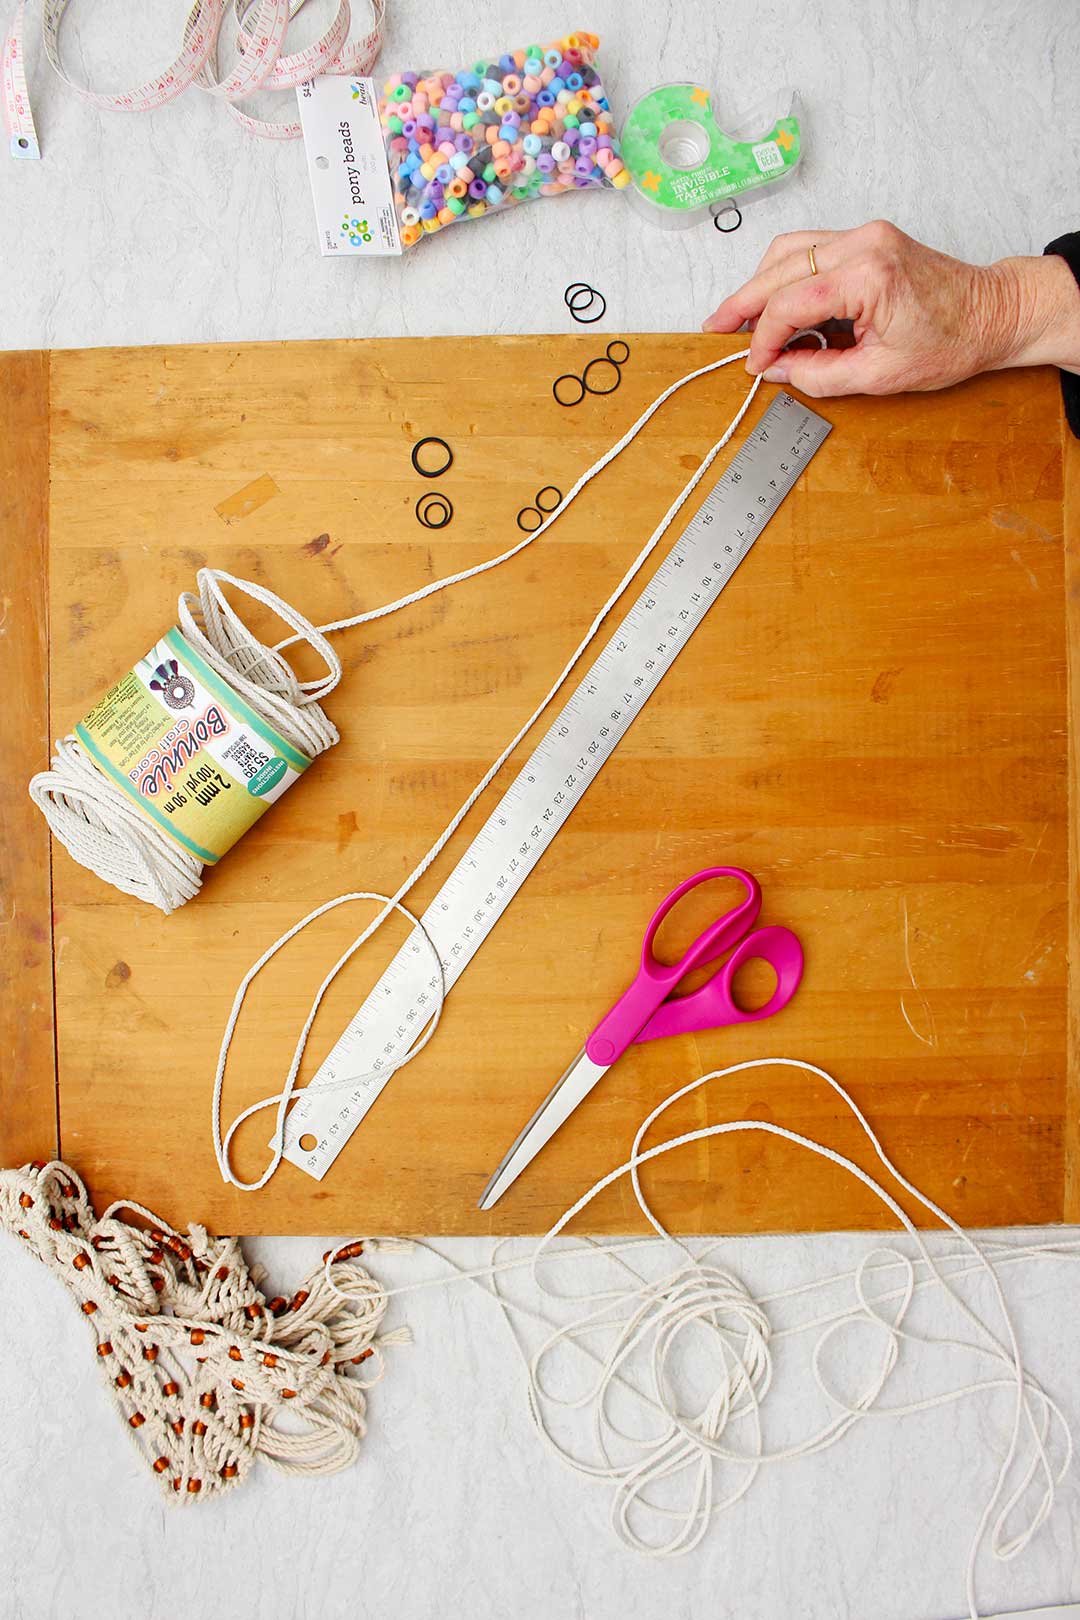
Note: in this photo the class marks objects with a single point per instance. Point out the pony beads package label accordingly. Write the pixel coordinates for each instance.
(347, 167)
(187, 750)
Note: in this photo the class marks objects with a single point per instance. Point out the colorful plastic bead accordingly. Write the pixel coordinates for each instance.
(531, 122)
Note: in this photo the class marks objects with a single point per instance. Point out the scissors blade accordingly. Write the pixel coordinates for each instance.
(554, 1111)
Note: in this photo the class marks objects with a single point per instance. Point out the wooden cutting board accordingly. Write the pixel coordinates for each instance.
(874, 720)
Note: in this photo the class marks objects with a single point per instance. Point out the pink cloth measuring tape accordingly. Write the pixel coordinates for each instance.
(263, 63)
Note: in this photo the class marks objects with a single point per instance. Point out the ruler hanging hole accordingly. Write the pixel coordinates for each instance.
(308, 1142)
(322, 163)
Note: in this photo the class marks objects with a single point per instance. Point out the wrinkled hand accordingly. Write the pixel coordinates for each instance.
(920, 319)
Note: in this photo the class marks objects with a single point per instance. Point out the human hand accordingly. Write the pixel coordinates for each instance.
(921, 320)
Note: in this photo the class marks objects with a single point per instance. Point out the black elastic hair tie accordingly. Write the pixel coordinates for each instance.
(601, 360)
(568, 376)
(576, 304)
(428, 472)
(434, 499)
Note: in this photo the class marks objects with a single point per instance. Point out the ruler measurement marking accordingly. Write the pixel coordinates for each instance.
(546, 789)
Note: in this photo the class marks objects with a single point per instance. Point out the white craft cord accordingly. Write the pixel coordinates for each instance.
(280, 1100)
(643, 1320)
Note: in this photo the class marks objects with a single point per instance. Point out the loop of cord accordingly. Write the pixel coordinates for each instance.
(632, 1336)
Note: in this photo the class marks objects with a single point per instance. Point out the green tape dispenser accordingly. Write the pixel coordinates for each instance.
(684, 168)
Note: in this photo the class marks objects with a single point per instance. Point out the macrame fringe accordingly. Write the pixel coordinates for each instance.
(200, 1363)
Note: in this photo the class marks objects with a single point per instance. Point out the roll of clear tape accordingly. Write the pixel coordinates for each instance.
(685, 168)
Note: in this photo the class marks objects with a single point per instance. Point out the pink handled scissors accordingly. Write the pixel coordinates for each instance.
(648, 1009)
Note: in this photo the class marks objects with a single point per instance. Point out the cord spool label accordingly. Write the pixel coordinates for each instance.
(187, 750)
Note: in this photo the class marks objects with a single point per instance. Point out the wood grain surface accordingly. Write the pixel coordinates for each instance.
(28, 1102)
(1071, 452)
(873, 719)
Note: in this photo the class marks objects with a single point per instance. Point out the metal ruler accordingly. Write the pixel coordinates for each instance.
(537, 803)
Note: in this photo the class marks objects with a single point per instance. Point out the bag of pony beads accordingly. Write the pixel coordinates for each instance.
(532, 123)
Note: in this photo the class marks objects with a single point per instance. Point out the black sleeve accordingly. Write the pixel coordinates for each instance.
(1068, 248)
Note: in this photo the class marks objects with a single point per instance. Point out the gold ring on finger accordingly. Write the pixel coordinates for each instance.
(813, 261)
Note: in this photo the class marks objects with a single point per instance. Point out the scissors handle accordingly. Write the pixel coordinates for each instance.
(712, 1005)
(655, 980)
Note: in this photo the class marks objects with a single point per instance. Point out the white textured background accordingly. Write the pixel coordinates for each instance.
(956, 118)
(958, 121)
